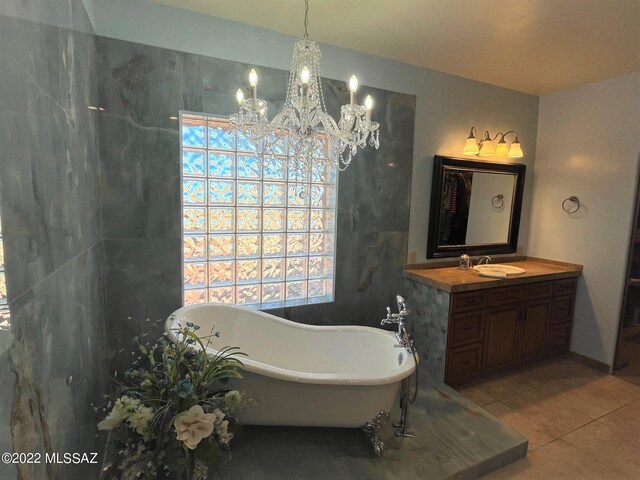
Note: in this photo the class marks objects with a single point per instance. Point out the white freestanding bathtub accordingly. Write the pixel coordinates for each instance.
(303, 375)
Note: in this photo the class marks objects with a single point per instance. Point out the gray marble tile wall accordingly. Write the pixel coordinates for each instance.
(428, 325)
(53, 362)
(141, 87)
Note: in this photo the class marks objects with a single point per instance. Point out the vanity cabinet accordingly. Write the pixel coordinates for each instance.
(501, 327)
(500, 341)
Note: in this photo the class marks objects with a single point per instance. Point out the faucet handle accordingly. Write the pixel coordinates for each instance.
(388, 318)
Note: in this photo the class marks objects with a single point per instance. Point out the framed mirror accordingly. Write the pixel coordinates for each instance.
(475, 207)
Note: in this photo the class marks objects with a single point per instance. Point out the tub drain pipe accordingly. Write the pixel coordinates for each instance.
(407, 399)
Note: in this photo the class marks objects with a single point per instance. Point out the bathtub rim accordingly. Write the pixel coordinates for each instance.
(254, 366)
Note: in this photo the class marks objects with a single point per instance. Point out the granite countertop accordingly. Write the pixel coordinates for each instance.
(452, 279)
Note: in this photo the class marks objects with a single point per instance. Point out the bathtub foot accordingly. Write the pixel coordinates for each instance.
(372, 431)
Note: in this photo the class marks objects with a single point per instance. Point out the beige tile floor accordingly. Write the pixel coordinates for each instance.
(581, 423)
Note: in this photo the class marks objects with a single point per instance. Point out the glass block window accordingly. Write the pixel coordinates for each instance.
(254, 233)
(5, 321)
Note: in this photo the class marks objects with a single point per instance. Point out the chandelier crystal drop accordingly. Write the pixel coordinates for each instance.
(312, 134)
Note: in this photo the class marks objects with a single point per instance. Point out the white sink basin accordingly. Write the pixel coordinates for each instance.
(499, 269)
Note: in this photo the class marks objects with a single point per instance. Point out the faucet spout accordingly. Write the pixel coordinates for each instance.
(486, 258)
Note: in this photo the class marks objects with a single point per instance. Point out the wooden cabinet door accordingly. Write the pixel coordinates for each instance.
(500, 340)
(533, 332)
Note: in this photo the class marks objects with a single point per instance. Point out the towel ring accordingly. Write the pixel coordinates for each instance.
(571, 199)
(498, 201)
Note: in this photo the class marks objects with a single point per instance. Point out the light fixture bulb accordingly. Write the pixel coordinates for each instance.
(368, 102)
(305, 75)
(487, 148)
(253, 78)
(516, 150)
(502, 150)
(240, 96)
(353, 84)
(470, 147)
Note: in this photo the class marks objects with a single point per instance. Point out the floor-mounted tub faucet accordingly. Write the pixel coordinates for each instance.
(402, 426)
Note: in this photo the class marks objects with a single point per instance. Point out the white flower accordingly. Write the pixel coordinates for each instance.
(140, 419)
(128, 403)
(113, 420)
(193, 425)
(232, 399)
(221, 426)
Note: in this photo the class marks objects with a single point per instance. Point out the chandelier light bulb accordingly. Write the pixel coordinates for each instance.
(353, 84)
(240, 96)
(253, 81)
(253, 78)
(368, 102)
(305, 75)
(353, 87)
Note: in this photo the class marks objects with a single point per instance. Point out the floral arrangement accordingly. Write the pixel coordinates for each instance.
(170, 415)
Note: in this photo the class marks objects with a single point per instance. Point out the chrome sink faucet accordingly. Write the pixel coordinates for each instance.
(486, 258)
(399, 318)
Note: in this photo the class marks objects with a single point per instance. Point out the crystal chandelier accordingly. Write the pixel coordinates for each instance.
(313, 135)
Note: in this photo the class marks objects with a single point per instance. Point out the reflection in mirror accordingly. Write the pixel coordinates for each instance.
(475, 207)
(5, 322)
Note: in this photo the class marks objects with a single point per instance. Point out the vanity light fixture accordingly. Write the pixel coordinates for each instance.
(486, 147)
(313, 135)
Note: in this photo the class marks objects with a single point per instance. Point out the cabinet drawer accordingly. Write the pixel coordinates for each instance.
(562, 311)
(467, 301)
(463, 362)
(537, 290)
(502, 295)
(566, 286)
(559, 338)
(466, 328)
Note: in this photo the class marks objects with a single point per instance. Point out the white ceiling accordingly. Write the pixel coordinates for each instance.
(533, 46)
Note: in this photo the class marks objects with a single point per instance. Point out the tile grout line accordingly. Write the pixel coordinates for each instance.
(532, 388)
(590, 456)
(559, 401)
(561, 437)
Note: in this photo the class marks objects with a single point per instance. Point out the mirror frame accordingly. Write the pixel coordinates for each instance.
(440, 164)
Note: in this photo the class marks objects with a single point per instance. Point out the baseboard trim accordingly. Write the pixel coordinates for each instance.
(590, 362)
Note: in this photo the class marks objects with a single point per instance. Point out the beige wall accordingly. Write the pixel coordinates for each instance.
(588, 146)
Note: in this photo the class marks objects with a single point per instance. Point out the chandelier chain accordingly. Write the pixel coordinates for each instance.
(306, 19)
